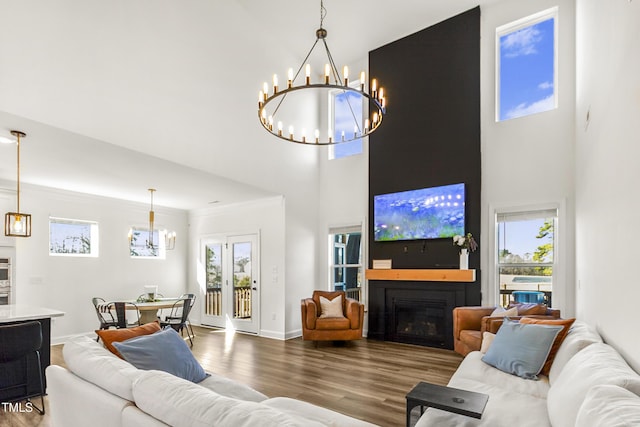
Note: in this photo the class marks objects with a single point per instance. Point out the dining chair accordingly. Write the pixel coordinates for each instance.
(20, 348)
(178, 318)
(179, 314)
(105, 316)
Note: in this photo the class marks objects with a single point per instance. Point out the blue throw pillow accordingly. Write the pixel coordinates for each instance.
(521, 349)
(163, 351)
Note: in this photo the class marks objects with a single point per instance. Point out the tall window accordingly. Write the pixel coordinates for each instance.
(344, 106)
(527, 66)
(346, 261)
(73, 237)
(526, 255)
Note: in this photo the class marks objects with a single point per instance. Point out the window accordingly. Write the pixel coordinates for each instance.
(346, 261)
(143, 245)
(72, 237)
(527, 66)
(345, 108)
(526, 255)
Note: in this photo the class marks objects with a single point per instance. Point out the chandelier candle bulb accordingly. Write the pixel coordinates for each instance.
(317, 134)
(291, 132)
(275, 84)
(307, 73)
(345, 73)
(279, 128)
(375, 118)
(260, 99)
(327, 73)
(366, 125)
(374, 88)
(265, 89)
(290, 78)
(342, 135)
(362, 80)
(304, 135)
(271, 123)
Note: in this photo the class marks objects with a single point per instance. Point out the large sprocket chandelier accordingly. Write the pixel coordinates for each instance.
(284, 121)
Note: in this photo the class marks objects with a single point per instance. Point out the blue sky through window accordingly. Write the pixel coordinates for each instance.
(346, 106)
(527, 70)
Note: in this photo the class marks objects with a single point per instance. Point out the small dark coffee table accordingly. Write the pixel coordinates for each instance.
(449, 399)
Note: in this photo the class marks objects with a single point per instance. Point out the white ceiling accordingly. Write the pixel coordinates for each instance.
(122, 95)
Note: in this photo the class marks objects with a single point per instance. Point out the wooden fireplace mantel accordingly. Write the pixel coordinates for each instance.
(423, 275)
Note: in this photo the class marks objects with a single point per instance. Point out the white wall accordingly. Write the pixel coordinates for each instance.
(607, 176)
(529, 160)
(69, 283)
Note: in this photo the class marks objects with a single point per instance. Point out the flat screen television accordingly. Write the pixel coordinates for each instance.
(427, 213)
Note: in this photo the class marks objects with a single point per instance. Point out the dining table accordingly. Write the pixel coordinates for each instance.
(149, 309)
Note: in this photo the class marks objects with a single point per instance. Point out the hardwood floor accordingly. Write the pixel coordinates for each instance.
(365, 379)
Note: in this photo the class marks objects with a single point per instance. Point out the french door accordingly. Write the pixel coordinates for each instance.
(232, 298)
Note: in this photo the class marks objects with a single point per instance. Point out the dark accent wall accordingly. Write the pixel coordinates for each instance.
(431, 134)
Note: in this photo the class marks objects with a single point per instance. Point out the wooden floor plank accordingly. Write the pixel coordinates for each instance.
(365, 379)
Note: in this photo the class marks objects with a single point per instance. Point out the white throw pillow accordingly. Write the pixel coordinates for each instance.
(502, 312)
(331, 308)
(609, 405)
(487, 339)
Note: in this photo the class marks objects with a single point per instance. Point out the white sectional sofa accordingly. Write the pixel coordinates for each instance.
(589, 385)
(99, 389)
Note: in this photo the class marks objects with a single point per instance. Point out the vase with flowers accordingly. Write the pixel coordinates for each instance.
(466, 244)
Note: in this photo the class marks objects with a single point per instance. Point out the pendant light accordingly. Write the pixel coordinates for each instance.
(17, 224)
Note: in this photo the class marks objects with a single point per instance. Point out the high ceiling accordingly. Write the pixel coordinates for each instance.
(122, 95)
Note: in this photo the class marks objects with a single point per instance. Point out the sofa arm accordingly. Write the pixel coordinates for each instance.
(469, 318)
(309, 313)
(354, 311)
(555, 314)
(492, 324)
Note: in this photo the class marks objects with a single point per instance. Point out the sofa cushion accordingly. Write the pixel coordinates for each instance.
(164, 351)
(333, 323)
(109, 336)
(521, 349)
(565, 323)
(92, 362)
(180, 403)
(314, 413)
(609, 405)
(595, 365)
(580, 336)
(474, 369)
(230, 388)
(505, 407)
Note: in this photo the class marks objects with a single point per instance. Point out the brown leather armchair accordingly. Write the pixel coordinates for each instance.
(316, 328)
(469, 323)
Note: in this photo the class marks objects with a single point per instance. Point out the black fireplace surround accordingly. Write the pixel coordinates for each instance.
(414, 312)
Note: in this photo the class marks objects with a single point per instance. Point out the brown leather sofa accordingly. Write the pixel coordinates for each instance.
(316, 328)
(469, 323)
